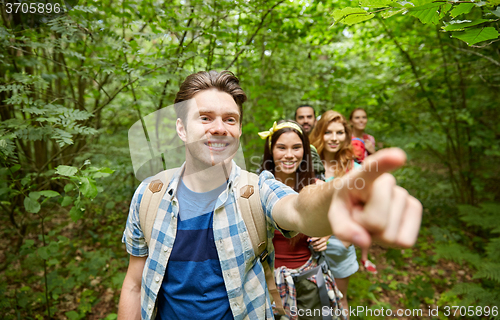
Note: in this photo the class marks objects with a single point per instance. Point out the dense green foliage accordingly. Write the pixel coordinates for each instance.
(72, 85)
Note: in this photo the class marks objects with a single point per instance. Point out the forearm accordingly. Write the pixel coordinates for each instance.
(370, 149)
(307, 212)
(129, 307)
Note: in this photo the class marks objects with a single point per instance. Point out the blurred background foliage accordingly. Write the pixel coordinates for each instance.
(73, 83)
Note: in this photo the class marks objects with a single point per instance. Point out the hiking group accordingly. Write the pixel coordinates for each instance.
(209, 240)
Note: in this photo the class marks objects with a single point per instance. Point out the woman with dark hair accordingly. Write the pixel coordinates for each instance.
(287, 155)
(332, 138)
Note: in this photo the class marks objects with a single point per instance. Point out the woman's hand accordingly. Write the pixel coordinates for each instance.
(318, 244)
(369, 146)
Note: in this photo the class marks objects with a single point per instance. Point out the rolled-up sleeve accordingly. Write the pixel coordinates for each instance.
(271, 191)
(133, 237)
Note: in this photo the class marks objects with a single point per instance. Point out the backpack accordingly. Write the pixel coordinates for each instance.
(358, 147)
(248, 200)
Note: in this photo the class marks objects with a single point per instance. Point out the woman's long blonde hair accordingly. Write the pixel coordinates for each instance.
(345, 155)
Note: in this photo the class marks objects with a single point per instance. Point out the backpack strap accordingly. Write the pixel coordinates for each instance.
(151, 200)
(255, 221)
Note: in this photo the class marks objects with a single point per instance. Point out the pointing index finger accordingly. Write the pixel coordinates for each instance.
(385, 160)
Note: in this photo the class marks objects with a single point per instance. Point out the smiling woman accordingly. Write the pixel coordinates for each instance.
(287, 154)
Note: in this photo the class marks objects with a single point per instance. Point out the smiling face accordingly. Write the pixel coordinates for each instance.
(305, 117)
(359, 120)
(213, 128)
(288, 152)
(335, 137)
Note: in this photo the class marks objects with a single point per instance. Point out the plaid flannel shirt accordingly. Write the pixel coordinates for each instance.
(288, 293)
(243, 274)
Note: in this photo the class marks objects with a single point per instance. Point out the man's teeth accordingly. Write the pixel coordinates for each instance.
(216, 145)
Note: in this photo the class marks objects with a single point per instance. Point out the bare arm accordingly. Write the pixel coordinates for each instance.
(362, 205)
(130, 298)
(370, 147)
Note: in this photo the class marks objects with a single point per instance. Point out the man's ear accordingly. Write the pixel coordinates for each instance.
(181, 130)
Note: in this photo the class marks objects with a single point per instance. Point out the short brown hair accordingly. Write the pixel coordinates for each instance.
(224, 81)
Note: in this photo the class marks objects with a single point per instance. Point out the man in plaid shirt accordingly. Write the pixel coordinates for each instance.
(200, 263)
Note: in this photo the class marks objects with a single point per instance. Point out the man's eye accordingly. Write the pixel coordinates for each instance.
(231, 120)
(204, 118)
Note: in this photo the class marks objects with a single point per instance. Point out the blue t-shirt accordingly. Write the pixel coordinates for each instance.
(193, 286)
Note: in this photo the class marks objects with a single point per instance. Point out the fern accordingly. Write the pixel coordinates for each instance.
(486, 216)
(493, 249)
(458, 253)
(489, 271)
(475, 294)
(485, 263)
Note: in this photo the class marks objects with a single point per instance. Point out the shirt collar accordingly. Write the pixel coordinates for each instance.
(232, 182)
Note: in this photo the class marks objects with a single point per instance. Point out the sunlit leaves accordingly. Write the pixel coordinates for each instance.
(496, 11)
(473, 36)
(376, 3)
(428, 13)
(351, 15)
(461, 25)
(461, 9)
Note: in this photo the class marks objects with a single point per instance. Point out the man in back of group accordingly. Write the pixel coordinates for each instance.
(305, 115)
(199, 262)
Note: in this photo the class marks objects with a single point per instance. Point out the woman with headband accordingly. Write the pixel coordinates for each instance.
(301, 274)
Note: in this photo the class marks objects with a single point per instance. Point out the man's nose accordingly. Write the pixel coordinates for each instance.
(217, 127)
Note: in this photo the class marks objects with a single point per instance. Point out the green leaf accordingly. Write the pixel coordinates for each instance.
(496, 12)
(88, 188)
(462, 24)
(461, 9)
(376, 3)
(473, 36)
(444, 10)
(75, 213)
(72, 315)
(111, 316)
(49, 193)
(4, 191)
(110, 205)
(15, 168)
(43, 252)
(32, 206)
(69, 187)
(428, 13)
(35, 195)
(67, 171)
(66, 201)
(389, 13)
(351, 15)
